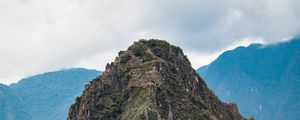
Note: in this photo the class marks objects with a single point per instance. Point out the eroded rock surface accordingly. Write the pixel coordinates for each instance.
(152, 80)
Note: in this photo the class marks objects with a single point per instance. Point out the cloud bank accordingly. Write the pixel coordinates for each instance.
(39, 35)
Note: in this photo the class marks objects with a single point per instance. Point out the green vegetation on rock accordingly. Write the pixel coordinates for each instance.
(152, 80)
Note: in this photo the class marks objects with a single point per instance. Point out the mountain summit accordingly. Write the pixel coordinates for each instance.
(151, 80)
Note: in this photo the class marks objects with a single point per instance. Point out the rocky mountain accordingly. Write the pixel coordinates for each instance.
(262, 79)
(151, 80)
(46, 96)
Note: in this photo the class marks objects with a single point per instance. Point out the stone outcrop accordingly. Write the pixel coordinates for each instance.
(152, 80)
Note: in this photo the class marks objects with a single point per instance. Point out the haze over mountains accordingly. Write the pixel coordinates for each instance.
(11, 105)
(262, 79)
(46, 96)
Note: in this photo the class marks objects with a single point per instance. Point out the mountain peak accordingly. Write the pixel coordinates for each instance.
(154, 49)
(150, 80)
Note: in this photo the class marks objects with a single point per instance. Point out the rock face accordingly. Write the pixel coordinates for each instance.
(151, 80)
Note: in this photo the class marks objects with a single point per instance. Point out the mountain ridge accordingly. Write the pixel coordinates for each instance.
(261, 71)
(50, 94)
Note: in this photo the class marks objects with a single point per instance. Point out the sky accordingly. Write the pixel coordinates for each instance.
(37, 36)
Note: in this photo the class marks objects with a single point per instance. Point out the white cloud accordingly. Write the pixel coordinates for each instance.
(199, 59)
(39, 35)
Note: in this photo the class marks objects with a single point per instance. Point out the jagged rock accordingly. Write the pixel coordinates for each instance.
(152, 80)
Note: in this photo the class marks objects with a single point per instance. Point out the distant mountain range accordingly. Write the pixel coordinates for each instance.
(264, 80)
(11, 105)
(46, 96)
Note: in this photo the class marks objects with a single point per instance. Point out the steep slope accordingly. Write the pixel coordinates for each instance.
(151, 80)
(11, 106)
(262, 79)
(48, 96)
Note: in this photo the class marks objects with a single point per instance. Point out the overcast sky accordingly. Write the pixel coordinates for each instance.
(45, 35)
